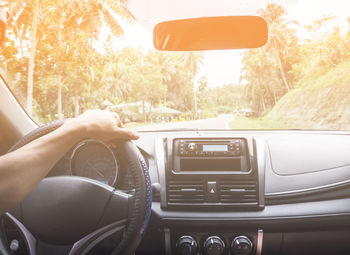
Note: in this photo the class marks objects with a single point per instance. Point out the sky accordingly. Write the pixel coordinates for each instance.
(222, 67)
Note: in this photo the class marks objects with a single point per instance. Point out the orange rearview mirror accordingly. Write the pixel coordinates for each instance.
(211, 33)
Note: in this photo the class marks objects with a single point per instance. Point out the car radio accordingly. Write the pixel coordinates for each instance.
(210, 155)
(228, 148)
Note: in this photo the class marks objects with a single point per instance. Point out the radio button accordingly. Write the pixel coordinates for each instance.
(191, 146)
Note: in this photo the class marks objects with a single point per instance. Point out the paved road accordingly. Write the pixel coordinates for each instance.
(221, 122)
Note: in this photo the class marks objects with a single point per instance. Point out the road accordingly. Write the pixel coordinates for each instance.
(221, 122)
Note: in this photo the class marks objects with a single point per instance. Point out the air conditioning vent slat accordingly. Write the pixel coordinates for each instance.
(238, 186)
(186, 188)
(237, 201)
(186, 192)
(177, 196)
(238, 195)
(238, 191)
(187, 200)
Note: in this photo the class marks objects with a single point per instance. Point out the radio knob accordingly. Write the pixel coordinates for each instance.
(241, 245)
(214, 246)
(186, 245)
(191, 146)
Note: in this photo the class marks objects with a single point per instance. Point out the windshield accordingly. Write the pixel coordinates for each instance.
(62, 58)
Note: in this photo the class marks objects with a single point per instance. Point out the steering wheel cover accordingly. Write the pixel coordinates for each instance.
(149, 197)
(137, 225)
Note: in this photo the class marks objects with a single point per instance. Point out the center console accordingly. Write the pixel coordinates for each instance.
(215, 173)
(212, 174)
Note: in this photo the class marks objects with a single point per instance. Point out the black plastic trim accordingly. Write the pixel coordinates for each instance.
(305, 215)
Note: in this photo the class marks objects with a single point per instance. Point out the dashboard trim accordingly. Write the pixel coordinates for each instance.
(285, 213)
(280, 223)
(259, 148)
(259, 242)
(167, 241)
(160, 157)
(308, 190)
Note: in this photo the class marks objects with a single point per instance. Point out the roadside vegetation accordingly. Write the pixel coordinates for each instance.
(299, 83)
(59, 65)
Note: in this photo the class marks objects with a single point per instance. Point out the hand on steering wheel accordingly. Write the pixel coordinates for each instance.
(82, 212)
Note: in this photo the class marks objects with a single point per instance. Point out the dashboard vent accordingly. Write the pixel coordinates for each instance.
(238, 191)
(185, 192)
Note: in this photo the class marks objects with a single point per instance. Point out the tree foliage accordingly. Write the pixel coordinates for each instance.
(286, 63)
(75, 70)
(266, 71)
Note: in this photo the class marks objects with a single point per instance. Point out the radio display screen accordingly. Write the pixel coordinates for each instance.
(214, 147)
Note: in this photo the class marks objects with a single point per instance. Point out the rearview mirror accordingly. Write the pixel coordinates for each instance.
(211, 33)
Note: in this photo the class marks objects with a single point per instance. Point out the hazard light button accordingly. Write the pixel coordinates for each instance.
(212, 193)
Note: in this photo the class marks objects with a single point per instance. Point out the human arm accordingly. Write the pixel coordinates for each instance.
(22, 170)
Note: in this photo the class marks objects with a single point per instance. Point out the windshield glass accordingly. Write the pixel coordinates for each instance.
(62, 58)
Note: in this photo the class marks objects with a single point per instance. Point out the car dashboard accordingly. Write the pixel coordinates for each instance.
(235, 192)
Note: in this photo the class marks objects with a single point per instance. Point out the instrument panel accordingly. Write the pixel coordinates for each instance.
(95, 160)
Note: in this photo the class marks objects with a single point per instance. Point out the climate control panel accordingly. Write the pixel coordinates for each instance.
(216, 244)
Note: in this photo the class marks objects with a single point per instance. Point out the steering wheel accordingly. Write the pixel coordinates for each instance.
(81, 212)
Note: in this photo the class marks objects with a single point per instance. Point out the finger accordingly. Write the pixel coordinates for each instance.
(117, 118)
(123, 133)
(119, 124)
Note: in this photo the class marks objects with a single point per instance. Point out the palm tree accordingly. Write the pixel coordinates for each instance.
(32, 57)
(89, 17)
(25, 18)
(192, 61)
(280, 35)
(257, 72)
(60, 21)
